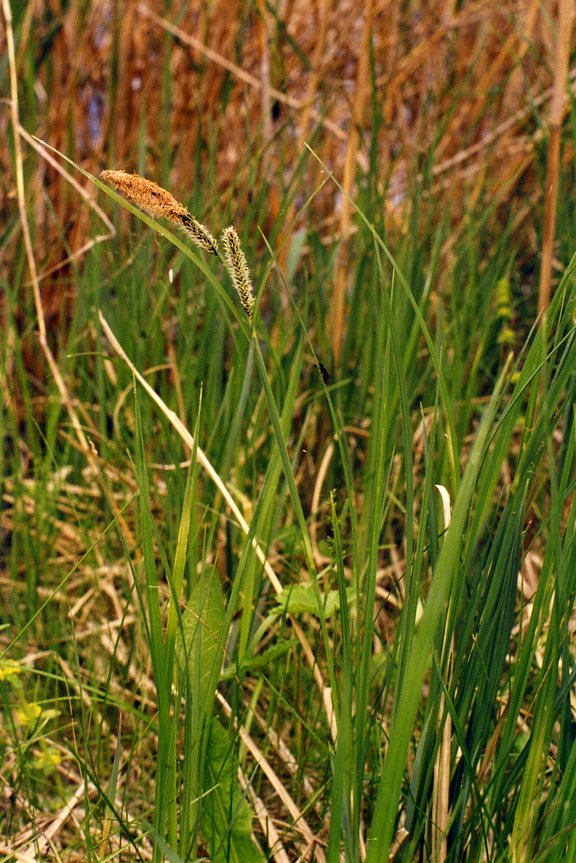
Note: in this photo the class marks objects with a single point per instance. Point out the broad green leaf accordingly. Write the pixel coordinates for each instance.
(226, 820)
(302, 599)
(202, 621)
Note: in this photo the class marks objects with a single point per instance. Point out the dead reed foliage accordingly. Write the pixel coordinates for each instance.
(174, 83)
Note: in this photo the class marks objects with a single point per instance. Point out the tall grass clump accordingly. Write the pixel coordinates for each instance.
(435, 739)
(370, 662)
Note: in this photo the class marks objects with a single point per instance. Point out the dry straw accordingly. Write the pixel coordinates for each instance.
(238, 268)
(158, 202)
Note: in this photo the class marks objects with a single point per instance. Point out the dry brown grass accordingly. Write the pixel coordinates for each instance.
(100, 85)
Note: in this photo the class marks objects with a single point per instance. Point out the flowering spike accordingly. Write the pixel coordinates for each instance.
(238, 268)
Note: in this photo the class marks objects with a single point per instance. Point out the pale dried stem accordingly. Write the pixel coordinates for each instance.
(177, 380)
(441, 794)
(289, 760)
(315, 503)
(557, 110)
(359, 101)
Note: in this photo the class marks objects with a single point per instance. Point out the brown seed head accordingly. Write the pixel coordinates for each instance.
(146, 194)
(158, 202)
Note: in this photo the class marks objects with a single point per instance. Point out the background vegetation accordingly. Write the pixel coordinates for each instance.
(299, 587)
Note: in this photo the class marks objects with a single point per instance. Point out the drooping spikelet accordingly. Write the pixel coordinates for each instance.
(158, 202)
(238, 268)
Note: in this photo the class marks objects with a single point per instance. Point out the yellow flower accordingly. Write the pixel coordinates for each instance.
(47, 760)
(28, 714)
(9, 668)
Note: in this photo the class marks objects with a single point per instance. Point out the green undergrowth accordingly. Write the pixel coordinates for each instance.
(132, 594)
